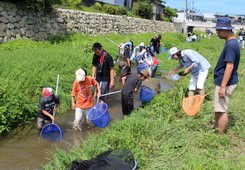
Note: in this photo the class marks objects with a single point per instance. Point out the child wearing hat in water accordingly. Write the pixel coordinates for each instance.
(131, 83)
(49, 103)
(82, 97)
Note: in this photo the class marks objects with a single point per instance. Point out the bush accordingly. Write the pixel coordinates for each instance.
(121, 11)
(143, 9)
(114, 10)
(36, 4)
(97, 6)
(110, 9)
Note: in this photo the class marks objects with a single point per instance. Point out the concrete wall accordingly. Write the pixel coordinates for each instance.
(18, 23)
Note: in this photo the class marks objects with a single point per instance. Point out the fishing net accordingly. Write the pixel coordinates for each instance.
(192, 104)
(51, 132)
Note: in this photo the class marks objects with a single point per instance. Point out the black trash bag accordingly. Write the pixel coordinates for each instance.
(118, 159)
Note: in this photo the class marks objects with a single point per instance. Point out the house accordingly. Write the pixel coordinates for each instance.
(157, 9)
(123, 3)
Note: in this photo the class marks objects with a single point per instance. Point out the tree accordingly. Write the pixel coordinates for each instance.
(143, 9)
(35, 4)
(169, 13)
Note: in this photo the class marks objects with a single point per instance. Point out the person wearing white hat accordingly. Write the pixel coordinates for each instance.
(82, 97)
(194, 63)
(48, 103)
(225, 73)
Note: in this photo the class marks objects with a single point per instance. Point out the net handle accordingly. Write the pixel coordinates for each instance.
(56, 92)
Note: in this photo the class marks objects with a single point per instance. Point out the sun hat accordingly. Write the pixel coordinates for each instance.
(223, 23)
(80, 75)
(172, 51)
(47, 91)
(145, 73)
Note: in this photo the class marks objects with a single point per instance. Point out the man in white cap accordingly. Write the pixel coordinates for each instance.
(194, 63)
(225, 73)
(82, 97)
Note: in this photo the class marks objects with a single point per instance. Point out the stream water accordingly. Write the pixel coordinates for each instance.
(29, 151)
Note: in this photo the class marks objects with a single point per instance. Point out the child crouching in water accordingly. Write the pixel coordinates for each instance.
(131, 83)
(82, 97)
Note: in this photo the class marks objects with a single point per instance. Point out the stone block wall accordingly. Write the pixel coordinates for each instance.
(18, 23)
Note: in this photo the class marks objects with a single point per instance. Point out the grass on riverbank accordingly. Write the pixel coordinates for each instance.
(161, 136)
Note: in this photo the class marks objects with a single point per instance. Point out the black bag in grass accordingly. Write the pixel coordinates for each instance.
(119, 159)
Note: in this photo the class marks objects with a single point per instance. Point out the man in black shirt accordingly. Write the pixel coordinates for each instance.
(155, 43)
(103, 68)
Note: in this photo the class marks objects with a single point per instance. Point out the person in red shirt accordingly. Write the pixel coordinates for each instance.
(82, 96)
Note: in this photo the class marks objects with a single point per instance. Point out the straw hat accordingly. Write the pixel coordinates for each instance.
(145, 73)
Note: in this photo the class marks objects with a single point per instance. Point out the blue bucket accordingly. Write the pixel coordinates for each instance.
(141, 67)
(146, 94)
(99, 115)
(51, 132)
(164, 49)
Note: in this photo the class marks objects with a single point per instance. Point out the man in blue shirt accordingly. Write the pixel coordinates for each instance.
(225, 72)
(194, 63)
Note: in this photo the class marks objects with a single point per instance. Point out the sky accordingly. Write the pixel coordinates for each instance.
(230, 7)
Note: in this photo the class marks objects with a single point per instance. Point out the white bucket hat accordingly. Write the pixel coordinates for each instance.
(172, 51)
(80, 75)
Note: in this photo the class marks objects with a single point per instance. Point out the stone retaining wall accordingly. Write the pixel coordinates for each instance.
(18, 23)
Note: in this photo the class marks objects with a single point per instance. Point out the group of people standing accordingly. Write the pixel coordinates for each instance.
(102, 79)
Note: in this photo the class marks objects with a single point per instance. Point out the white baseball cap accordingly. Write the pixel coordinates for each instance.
(172, 51)
(80, 75)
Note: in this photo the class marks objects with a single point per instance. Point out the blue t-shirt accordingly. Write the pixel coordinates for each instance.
(230, 53)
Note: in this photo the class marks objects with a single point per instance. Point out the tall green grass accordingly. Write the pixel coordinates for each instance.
(160, 135)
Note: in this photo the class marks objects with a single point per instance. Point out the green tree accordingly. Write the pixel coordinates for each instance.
(143, 9)
(169, 13)
(36, 4)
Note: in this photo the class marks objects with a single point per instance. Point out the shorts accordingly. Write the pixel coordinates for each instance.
(198, 82)
(220, 104)
(41, 122)
(79, 112)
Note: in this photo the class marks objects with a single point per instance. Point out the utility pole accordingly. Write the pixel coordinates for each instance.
(186, 10)
(193, 9)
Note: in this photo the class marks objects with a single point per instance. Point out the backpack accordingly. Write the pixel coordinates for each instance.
(118, 159)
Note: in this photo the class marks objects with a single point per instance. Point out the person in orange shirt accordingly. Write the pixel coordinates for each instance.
(82, 97)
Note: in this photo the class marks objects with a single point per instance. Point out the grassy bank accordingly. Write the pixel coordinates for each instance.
(161, 136)
(27, 66)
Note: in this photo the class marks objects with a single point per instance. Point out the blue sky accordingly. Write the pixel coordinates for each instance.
(231, 7)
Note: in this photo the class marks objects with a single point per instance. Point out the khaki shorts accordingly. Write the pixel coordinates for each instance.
(220, 104)
(41, 123)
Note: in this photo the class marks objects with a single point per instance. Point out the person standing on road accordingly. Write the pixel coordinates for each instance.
(194, 63)
(225, 73)
(103, 69)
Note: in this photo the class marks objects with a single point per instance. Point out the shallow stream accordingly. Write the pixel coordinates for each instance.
(29, 151)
